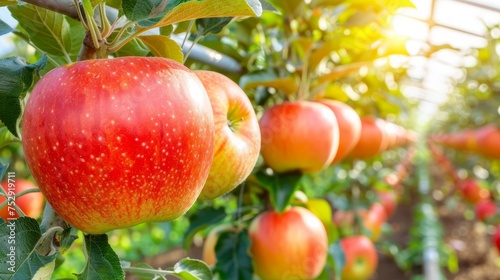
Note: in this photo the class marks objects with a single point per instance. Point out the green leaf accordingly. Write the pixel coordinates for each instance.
(45, 272)
(68, 236)
(288, 85)
(100, 260)
(188, 10)
(281, 187)
(88, 8)
(233, 260)
(5, 136)
(18, 258)
(336, 257)
(133, 48)
(4, 28)
(51, 32)
(206, 26)
(16, 78)
(201, 219)
(163, 46)
(191, 269)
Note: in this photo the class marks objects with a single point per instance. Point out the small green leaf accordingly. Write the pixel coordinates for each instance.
(288, 85)
(87, 6)
(233, 260)
(101, 260)
(4, 28)
(201, 219)
(68, 236)
(206, 26)
(281, 187)
(18, 256)
(16, 77)
(292, 8)
(336, 257)
(163, 46)
(191, 269)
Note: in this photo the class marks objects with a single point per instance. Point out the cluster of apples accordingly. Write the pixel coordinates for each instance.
(116, 142)
(311, 135)
(484, 140)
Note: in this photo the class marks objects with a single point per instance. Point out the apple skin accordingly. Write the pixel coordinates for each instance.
(300, 135)
(373, 139)
(114, 143)
(361, 258)
(31, 204)
(291, 245)
(472, 191)
(237, 135)
(485, 209)
(349, 127)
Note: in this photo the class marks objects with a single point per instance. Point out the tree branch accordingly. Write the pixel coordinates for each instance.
(66, 7)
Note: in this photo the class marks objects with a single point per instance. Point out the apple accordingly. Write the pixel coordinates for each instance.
(485, 209)
(349, 127)
(31, 204)
(373, 139)
(299, 135)
(472, 191)
(237, 135)
(372, 220)
(488, 142)
(117, 142)
(290, 245)
(360, 256)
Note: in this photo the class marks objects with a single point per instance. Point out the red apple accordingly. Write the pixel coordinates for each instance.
(488, 142)
(116, 142)
(31, 204)
(485, 209)
(372, 220)
(361, 258)
(373, 139)
(472, 191)
(237, 135)
(301, 135)
(291, 245)
(349, 127)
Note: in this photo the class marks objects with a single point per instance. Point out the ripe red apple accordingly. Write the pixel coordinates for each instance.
(373, 139)
(472, 191)
(485, 209)
(31, 204)
(488, 142)
(116, 142)
(300, 135)
(291, 245)
(237, 135)
(349, 127)
(361, 258)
